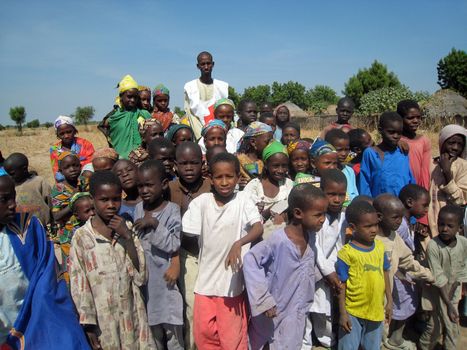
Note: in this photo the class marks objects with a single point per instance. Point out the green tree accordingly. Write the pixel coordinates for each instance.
(18, 115)
(234, 96)
(370, 79)
(452, 71)
(84, 114)
(179, 111)
(290, 91)
(384, 99)
(320, 97)
(259, 94)
(48, 125)
(33, 124)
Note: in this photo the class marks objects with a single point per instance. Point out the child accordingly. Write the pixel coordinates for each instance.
(290, 133)
(150, 130)
(363, 268)
(384, 168)
(104, 159)
(247, 112)
(271, 190)
(266, 107)
(145, 98)
(82, 207)
(280, 274)
(448, 180)
(225, 221)
(107, 269)
(447, 257)
(299, 157)
(282, 115)
(163, 150)
(32, 191)
(66, 132)
(36, 309)
(344, 111)
(127, 173)
(161, 112)
(340, 141)
(359, 141)
(213, 133)
(329, 240)
(269, 119)
(179, 133)
(257, 136)
(323, 156)
(158, 224)
(403, 265)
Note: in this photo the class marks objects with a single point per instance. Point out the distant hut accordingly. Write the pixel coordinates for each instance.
(446, 106)
(295, 111)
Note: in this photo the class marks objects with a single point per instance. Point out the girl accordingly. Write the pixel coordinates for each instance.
(145, 98)
(66, 133)
(179, 133)
(127, 173)
(290, 133)
(213, 133)
(104, 159)
(107, 269)
(271, 190)
(151, 129)
(282, 115)
(323, 156)
(161, 112)
(299, 157)
(82, 207)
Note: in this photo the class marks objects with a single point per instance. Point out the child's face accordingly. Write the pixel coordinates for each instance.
(215, 136)
(335, 193)
(249, 113)
(391, 218)
(145, 99)
(289, 135)
(261, 141)
(102, 163)
(265, 107)
(84, 209)
(189, 166)
(161, 102)
(226, 114)
(66, 133)
(127, 174)
(130, 99)
(167, 157)
(150, 186)
(182, 135)
(313, 217)
(277, 167)
(344, 112)
(325, 162)
(282, 116)
(366, 228)
(454, 146)
(412, 120)
(448, 227)
(7, 201)
(343, 149)
(17, 173)
(224, 178)
(420, 206)
(70, 167)
(299, 161)
(391, 133)
(271, 121)
(107, 201)
(153, 132)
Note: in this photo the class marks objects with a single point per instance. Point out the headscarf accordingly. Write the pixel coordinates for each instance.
(320, 148)
(65, 154)
(274, 113)
(299, 144)
(144, 88)
(302, 178)
(256, 129)
(215, 123)
(173, 130)
(224, 101)
(160, 89)
(127, 83)
(77, 196)
(274, 147)
(449, 131)
(106, 152)
(148, 123)
(63, 120)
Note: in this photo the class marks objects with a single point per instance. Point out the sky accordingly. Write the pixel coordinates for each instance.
(57, 55)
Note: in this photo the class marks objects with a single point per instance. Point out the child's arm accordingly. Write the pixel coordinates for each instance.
(446, 296)
(234, 258)
(173, 272)
(124, 236)
(456, 184)
(61, 214)
(407, 262)
(365, 174)
(344, 320)
(387, 290)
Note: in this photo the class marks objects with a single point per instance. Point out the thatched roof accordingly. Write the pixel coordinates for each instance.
(295, 111)
(444, 104)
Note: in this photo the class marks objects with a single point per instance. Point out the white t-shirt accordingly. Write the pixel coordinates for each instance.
(219, 227)
(255, 188)
(234, 136)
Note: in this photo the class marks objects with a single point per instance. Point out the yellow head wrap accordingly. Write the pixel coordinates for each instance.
(127, 83)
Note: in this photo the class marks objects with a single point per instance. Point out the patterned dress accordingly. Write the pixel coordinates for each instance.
(81, 147)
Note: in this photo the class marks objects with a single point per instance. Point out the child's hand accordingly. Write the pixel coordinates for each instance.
(345, 322)
(334, 282)
(146, 222)
(172, 273)
(422, 230)
(403, 146)
(445, 163)
(260, 206)
(118, 225)
(234, 258)
(388, 312)
(91, 333)
(452, 313)
(271, 313)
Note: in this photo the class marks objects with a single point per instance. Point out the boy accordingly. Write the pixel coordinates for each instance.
(225, 221)
(163, 150)
(359, 141)
(32, 191)
(344, 111)
(280, 273)
(384, 168)
(247, 112)
(363, 268)
(447, 257)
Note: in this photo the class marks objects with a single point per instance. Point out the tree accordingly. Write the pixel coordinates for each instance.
(18, 115)
(234, 96)
(290, 91)
(84, 114)
(48, 125)
(320, 97)
(33, 124)
(259, 94)
(370, 79)
(179, 111)
(384, 99)
(452, 71)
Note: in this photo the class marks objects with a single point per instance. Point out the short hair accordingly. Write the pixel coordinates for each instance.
(159, 143)
(346, 100)
(211, 152)
(334, 135)
(332, 176)
(225, 157)
(104, 177)
(453, 210)
(386, 201)
(242, 104)
(16, 159)
(9, 181)
(404, 106)
(154, 164)
(292, 125)
(203, 53)
(302, 195)
(188, 145)
(266, 115)
(388, 117)
(356, 137)
(363, 198)
(412, 191)
(356, 209)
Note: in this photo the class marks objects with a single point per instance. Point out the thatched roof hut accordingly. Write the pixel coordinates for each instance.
(295, 111)
(445, 104)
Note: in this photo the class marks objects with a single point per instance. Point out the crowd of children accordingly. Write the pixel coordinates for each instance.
(247, 237)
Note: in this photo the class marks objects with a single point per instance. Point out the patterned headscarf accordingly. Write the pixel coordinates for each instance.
(144, 88)
(77, 196)
(65, 154)
(256, 128)
(173, 130)
(106, 152)
(127, 83)
(320, 148)
(224, 101)
(274, 147)
(299, 144)
(215, 123)
(142, 127)
(160, 89)
(63, 120)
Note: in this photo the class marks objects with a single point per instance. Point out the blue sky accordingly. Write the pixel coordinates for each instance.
(57, 55)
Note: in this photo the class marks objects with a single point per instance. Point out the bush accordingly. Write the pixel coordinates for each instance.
(385, 99)
(320, 97)
(33, 124)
